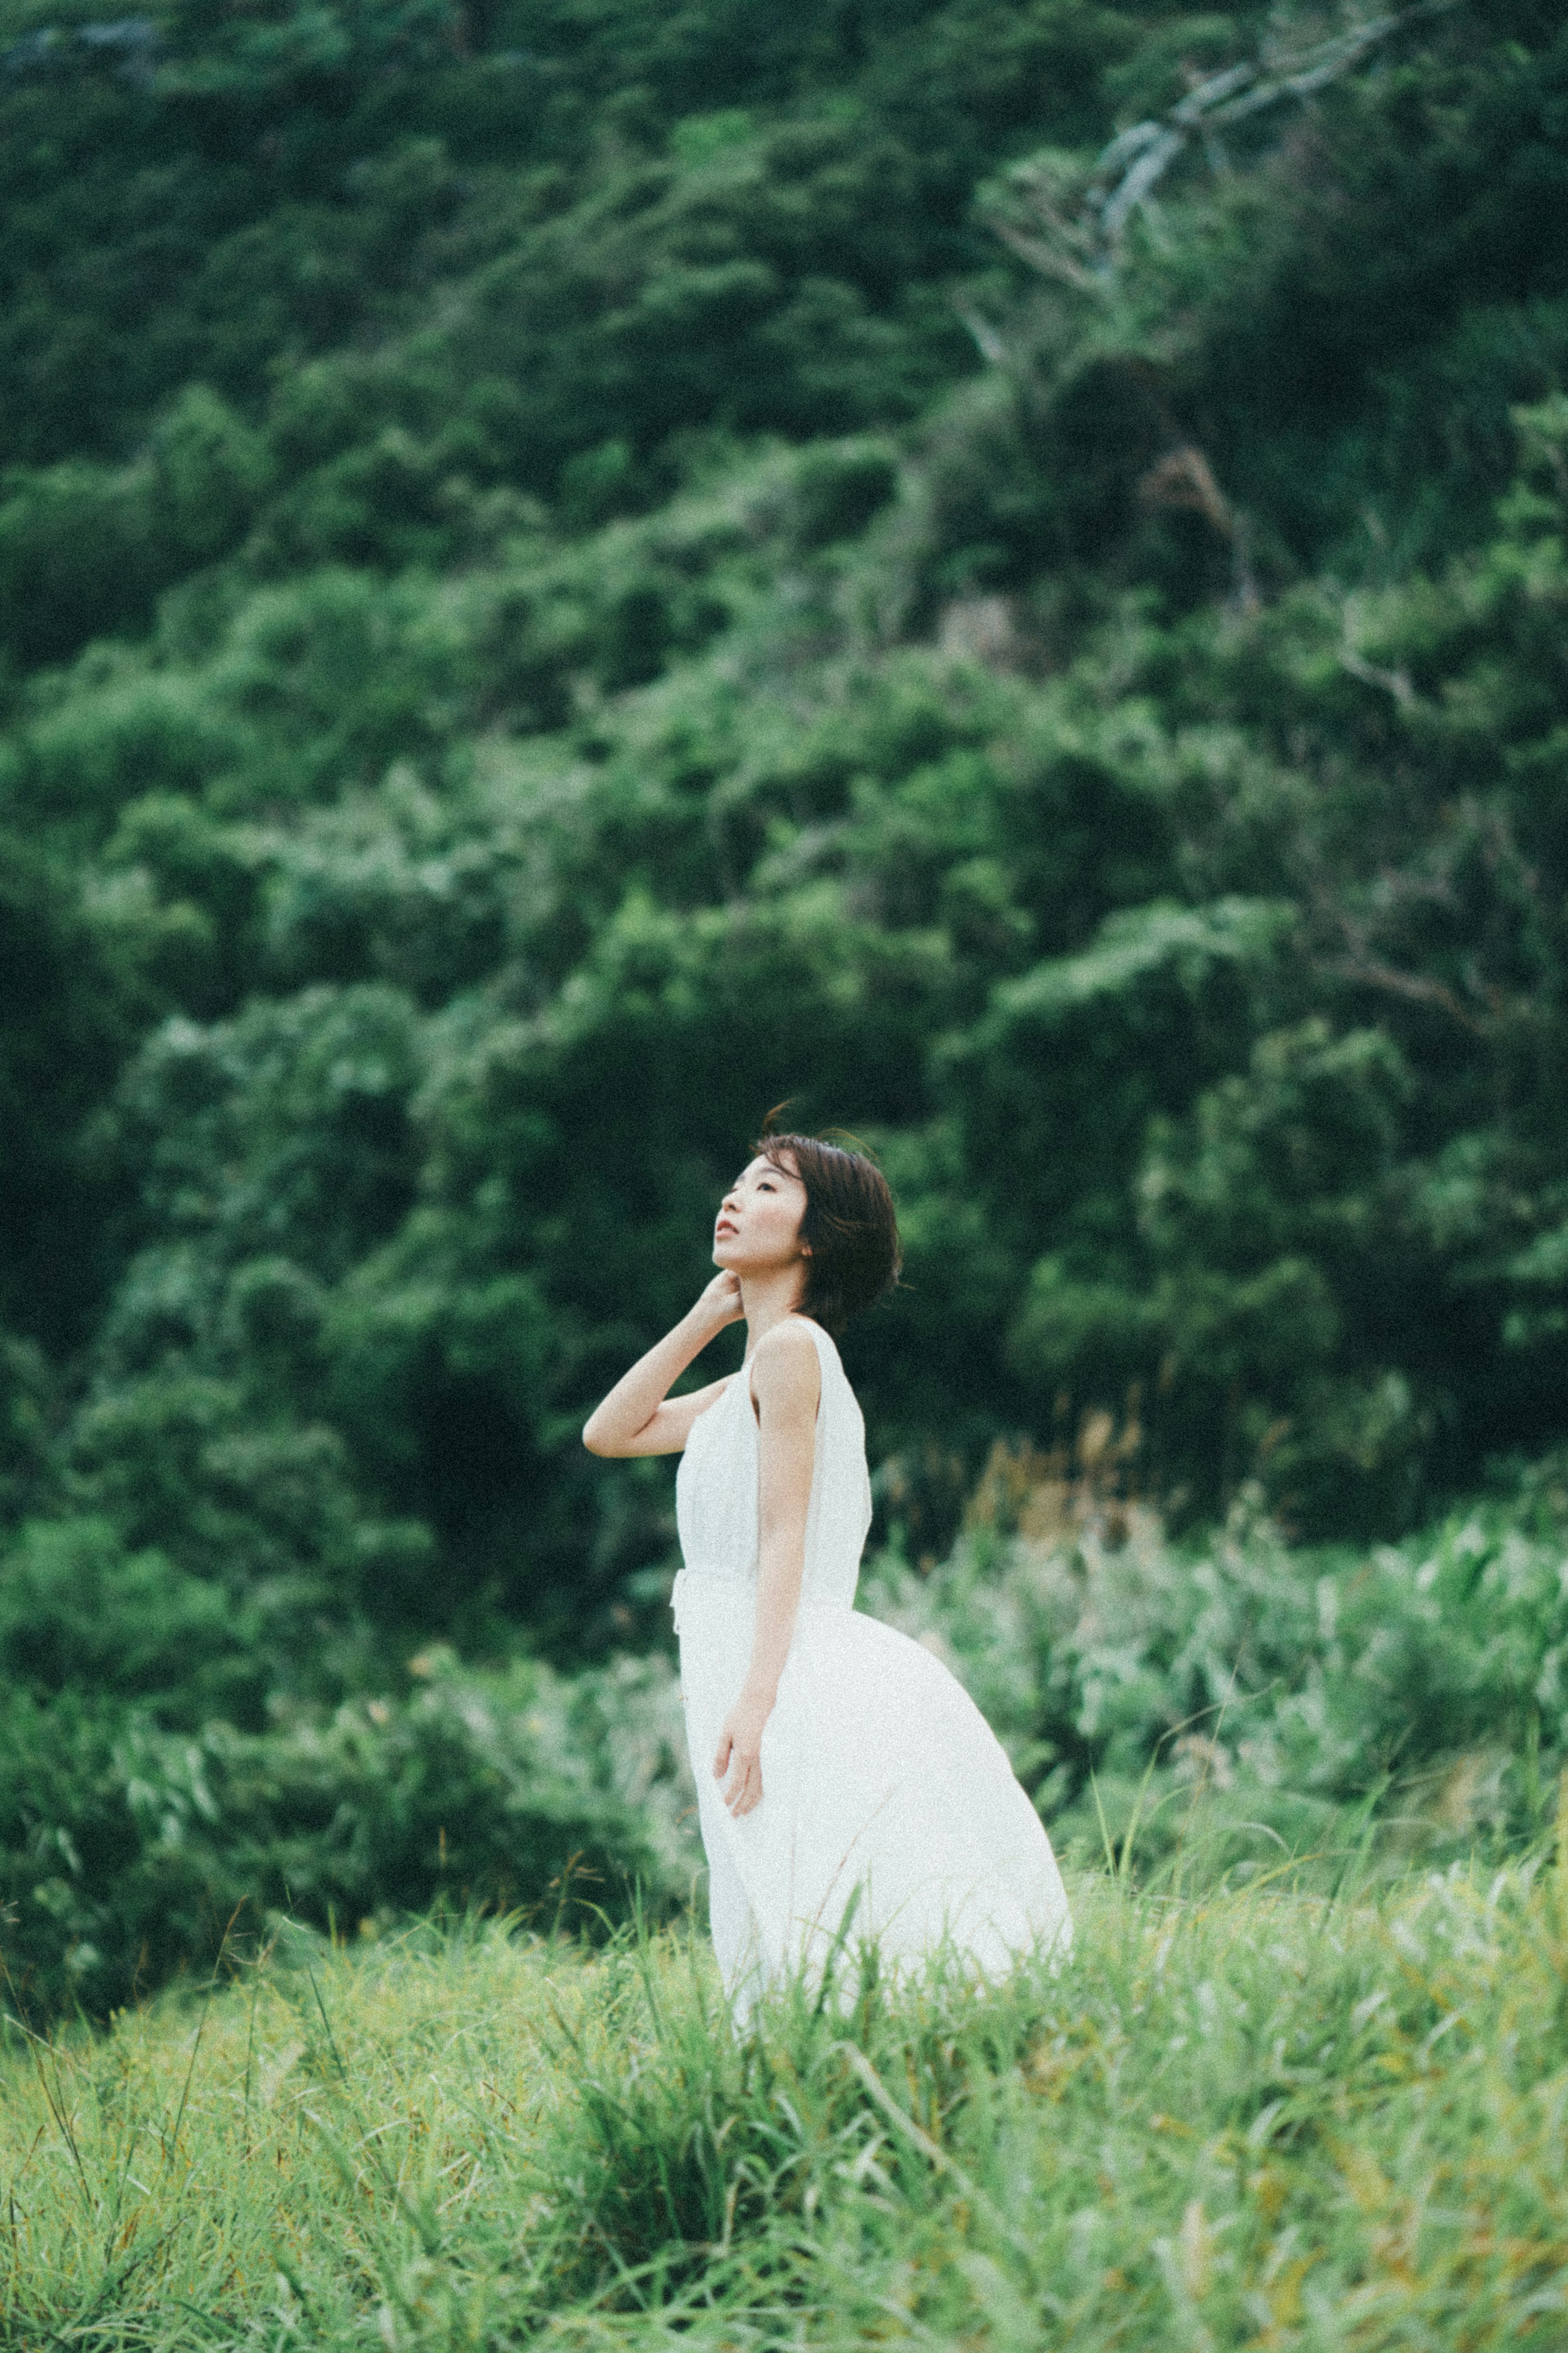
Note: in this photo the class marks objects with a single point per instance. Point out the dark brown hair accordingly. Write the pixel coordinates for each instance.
(849, 1224)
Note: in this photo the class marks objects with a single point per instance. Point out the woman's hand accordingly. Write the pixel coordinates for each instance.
(639, 1416)
(740, 1751)
(720, 1304)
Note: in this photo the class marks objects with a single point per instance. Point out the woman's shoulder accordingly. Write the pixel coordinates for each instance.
(789, 1356)
(806, 1334)
(792, 1340)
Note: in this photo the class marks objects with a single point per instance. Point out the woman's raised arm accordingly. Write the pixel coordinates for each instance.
(640, 1416)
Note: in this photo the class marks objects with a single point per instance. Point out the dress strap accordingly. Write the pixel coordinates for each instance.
(827, 1355)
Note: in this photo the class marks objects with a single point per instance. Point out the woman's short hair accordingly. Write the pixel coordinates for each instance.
(849, 1226)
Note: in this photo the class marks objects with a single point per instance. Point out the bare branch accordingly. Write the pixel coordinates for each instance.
(1368, 972)
(1135, 188)
(1082, 247)
(1048, 259)
(987, 341)
(1393, 681)
(1183, 477)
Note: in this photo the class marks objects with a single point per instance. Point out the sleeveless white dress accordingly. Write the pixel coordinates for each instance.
(881, 1780)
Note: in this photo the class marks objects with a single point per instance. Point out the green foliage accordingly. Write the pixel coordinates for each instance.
(84, 550)
(135, 1840)
(78, 1615)
(1253, 1688)
(560, 584)
(180, 1753)
(1262, 2115)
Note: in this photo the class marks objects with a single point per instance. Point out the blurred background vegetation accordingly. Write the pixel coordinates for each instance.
(570, 570)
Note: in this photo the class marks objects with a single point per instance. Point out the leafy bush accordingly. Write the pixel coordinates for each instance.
(1130, 1677)
(79, 1614)
(131, 1850)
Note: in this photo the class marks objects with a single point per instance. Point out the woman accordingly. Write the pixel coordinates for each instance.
(847, 1785)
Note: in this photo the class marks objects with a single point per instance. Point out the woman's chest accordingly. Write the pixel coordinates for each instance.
(716, 1485)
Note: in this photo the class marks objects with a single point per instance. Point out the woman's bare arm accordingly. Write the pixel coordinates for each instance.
(786, 1381)
(640, 1416)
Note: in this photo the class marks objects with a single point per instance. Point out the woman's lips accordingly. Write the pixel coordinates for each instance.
(724, 1226)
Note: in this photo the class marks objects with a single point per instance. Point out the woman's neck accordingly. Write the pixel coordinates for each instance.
(767, 1299)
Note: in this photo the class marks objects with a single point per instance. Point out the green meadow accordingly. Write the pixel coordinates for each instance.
(1266, 2119)
(573, 569)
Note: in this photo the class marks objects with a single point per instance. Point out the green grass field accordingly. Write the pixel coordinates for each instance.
(1264, 2120)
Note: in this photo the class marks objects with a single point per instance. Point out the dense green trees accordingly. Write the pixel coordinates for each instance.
(566, 573)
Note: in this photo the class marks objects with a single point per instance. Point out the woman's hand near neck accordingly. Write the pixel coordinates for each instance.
(640, 1416)
(762, 1279)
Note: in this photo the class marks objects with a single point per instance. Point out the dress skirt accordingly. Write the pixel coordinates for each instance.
(888, 1812)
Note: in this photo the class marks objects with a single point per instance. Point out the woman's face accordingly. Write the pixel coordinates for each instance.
(758, 1225)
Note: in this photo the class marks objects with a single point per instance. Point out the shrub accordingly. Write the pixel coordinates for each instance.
(78, 1613)
(1129, 1676)
(129, 1851)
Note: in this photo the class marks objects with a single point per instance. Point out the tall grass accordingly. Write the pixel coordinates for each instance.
(1263, 2118)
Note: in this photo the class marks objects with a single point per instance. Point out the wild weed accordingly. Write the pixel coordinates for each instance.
(1332, 2121)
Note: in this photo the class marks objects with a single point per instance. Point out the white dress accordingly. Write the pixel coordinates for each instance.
(879, 1774)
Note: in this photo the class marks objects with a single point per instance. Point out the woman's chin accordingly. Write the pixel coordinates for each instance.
(735, 1259)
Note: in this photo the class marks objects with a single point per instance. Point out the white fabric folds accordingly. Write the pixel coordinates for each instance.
(887, 1799)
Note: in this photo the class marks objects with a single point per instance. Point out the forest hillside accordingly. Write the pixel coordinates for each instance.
(570, 571)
